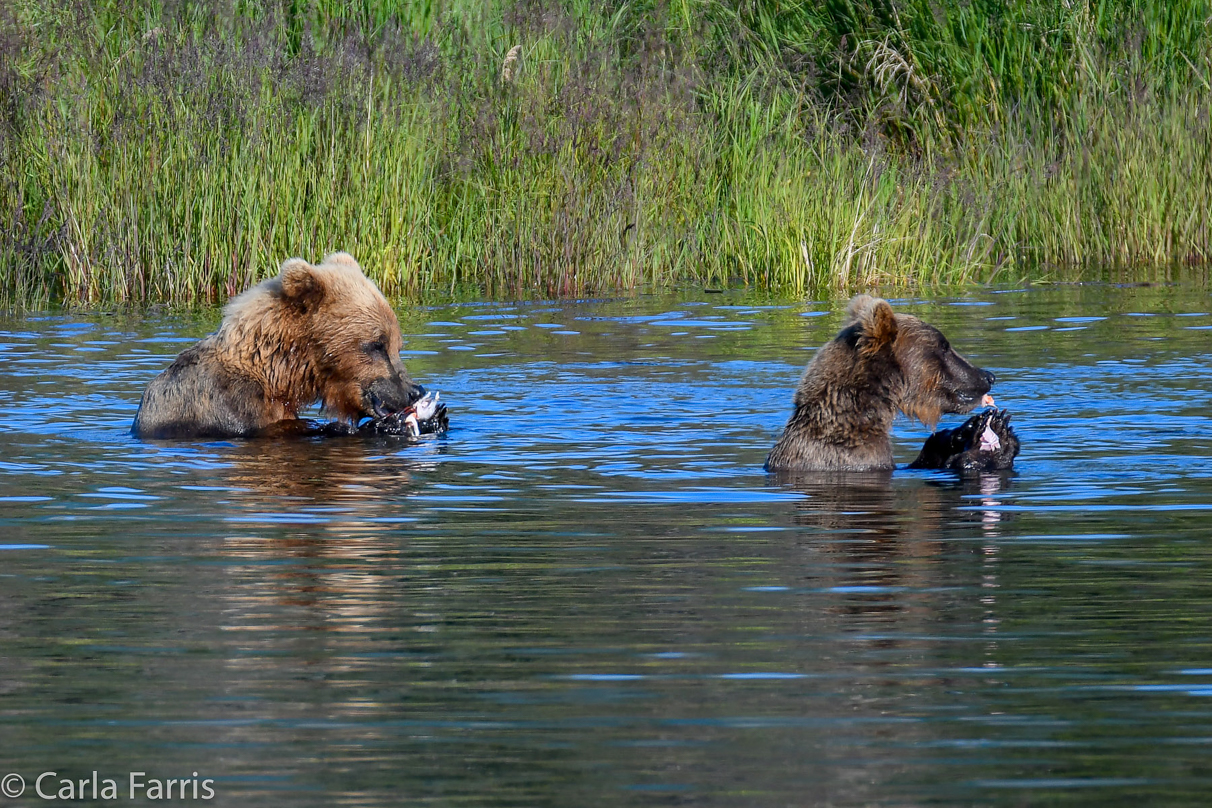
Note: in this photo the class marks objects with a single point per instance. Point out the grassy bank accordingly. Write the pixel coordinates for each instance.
(179, 151)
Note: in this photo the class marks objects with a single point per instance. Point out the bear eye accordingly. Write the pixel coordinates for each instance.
(946, 345)
(378, 346)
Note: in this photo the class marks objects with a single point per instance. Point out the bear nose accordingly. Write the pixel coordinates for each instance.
(989, 377)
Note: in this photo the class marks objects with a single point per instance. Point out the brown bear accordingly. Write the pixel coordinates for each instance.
(314, 333)
(879, 363)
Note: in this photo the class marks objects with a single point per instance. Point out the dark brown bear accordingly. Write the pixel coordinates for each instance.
(879, 363)
(314, 333)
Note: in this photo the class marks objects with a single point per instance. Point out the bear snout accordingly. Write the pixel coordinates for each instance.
(978, 384)
(387, 396)
(966, 389)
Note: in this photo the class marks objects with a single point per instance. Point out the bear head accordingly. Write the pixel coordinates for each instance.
(339, 339)
(926, 377)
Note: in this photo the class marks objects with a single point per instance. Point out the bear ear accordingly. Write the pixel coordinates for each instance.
(858, 307)
(301, 284)
(343, 259)
(877, 321)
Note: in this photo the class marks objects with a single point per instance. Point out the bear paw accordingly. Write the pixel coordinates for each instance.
(984, 442)
(424, 417)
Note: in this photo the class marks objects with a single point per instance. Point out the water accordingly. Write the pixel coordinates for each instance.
(589, 593)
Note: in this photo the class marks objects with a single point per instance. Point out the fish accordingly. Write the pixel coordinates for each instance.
(426, 416)
(990, 442)
(421, 411)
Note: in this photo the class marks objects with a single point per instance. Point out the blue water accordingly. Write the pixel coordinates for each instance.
(589, 593)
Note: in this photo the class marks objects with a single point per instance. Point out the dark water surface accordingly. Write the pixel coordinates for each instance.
(589, 593)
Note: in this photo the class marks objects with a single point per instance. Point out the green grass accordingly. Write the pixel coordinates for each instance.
(149, 155)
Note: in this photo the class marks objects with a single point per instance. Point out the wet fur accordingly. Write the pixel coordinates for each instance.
(878, 364)
(312, 334)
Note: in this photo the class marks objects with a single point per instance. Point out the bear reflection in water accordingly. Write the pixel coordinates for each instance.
(361, 476)
(878, 364)
(315, 541)
(888, 549)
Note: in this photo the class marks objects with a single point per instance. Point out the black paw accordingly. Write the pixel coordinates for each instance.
(399, 423)
(984, 442)
(326, 429)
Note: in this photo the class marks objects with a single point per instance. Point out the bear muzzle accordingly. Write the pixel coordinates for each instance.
(388, 396)
(975, 395)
